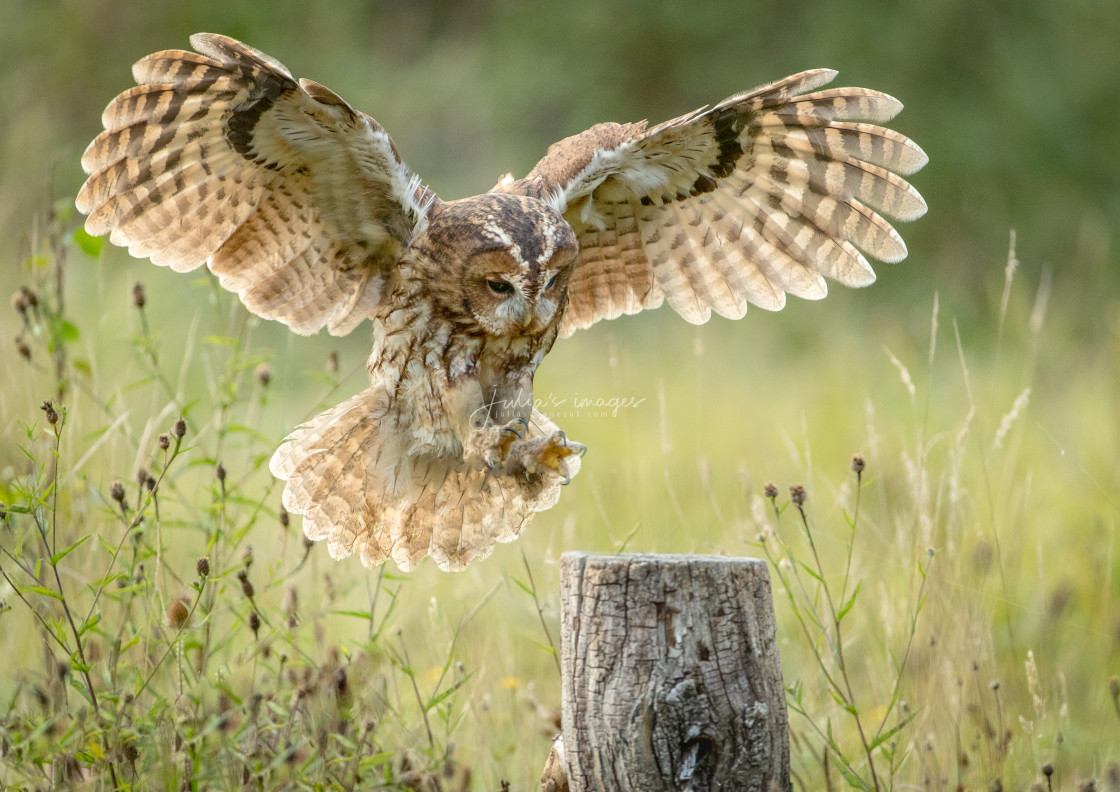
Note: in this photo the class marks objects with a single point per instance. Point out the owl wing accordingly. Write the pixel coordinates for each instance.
(297, 202)
(768, 192)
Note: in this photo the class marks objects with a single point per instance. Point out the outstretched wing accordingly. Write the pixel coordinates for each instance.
(294, 200)
(768, 192)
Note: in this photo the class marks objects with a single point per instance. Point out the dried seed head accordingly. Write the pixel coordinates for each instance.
(247, 557)
(770, 490)
(263, 373)
(20, 303)
(180, 428)
(858, 464)
(116, 491)
(30, 295)
(52, 414)
(178, 613)
(142, 476)
(341, 684)
(22, 348)
(164, 442)
(220, 472)
(994, 684)
(138, 296)
(203, 566)
(285, 518)
(246, 586)
(130, 751)
(254, 622)
(332, 363)
(1114, 687)
(1048, 769)
(797, 494)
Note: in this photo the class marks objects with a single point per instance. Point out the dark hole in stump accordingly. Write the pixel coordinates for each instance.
(695, 756)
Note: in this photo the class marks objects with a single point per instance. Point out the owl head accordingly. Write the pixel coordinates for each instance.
(497, 262)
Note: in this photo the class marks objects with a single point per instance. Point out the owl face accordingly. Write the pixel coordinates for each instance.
(508, 298)
(510, 258)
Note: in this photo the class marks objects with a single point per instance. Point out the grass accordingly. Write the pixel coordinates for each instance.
(948, 614)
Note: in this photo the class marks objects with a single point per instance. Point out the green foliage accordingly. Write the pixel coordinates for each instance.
(820, 612)
(170, 624)
(165, 672)
(989, 436)
(1014, 102)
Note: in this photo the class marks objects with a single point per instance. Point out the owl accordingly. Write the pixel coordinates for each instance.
(303, 206)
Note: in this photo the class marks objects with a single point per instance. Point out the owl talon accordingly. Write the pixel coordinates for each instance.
(579, 449)
(544, 455)
(494, 445)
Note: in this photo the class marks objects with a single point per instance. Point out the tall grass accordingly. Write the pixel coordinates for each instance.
(948, 612)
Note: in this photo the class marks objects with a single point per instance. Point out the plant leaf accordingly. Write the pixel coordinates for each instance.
(90, 245)
(882, 738)
(61, 554)
(848, 605)
(46, 592)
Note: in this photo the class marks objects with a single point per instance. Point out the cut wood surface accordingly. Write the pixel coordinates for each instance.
(671, 675)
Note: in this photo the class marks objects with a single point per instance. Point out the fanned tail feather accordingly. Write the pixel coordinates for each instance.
(348, 475)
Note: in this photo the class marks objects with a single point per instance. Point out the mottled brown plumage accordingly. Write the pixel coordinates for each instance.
(303, 207)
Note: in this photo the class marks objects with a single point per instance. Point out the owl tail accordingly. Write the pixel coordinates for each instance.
(350, 475)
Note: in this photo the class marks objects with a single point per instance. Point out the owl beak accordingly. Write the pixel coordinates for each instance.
(527, 315)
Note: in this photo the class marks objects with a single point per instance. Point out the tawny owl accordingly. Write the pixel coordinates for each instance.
(302, 205)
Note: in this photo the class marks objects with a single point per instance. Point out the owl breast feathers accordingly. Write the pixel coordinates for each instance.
(303, 207)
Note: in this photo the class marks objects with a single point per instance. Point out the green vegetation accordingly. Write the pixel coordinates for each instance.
(980, 392)
(951, 609)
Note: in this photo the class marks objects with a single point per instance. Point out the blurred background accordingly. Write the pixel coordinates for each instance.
(1017, 104)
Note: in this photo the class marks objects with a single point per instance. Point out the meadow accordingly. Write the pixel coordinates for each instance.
(973, 555)
(948, 607)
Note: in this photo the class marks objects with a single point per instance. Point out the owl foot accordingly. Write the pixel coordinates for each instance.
(542, 455)
(505, 451)
(492, 445)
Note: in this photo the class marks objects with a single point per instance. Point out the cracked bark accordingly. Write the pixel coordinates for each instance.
(671, 675)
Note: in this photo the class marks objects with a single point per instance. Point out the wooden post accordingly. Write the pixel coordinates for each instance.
(671, 676)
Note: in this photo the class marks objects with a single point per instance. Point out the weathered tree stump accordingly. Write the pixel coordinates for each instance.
(671, 675)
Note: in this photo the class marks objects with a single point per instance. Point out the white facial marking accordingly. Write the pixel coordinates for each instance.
(514, 309)
(545, 308)
(495, 232)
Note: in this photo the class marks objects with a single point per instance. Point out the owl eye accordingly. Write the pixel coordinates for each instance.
(500, 287)
(551, 281)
